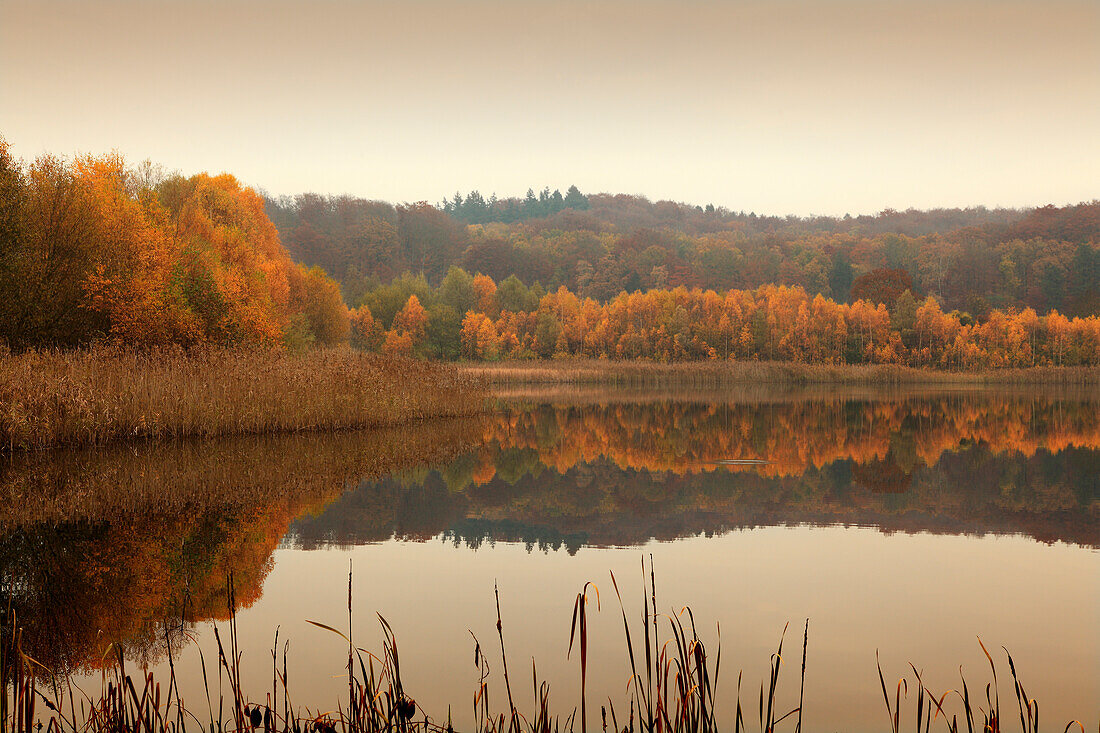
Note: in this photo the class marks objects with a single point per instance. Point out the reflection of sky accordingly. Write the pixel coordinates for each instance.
(799, 106)
(919, 598)
(920, 594)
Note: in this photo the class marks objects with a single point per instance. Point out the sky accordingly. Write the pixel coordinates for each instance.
(782, 107)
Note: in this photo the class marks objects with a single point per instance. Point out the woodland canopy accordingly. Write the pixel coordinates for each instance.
(94, 250)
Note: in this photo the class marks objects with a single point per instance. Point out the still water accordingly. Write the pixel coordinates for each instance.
(907, 522)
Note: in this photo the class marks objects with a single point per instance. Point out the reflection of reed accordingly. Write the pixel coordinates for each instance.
(119, 482)
(102, 546)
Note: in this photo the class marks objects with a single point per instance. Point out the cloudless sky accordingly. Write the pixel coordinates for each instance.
(794, 106)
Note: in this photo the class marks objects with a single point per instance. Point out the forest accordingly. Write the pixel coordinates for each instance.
(93, 250)
(970, 259)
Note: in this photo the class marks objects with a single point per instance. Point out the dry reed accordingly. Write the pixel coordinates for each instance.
(95, 396)
(673, 688)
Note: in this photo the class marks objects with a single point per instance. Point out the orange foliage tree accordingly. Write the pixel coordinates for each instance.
(94, 249)
(408, 330)
(776, 322)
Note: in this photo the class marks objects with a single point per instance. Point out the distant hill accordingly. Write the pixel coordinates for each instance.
(598, 245)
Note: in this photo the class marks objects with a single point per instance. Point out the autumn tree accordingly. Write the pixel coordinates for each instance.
(131, 283)
(485, 295)
(840, 277)
(386, 300)
(412, 319)
(12, 193)
(408, 330)
(429, 238)
(457, 290)
(353, 239)
(624, 243)
(514, 296)
(883, 285)
(97, 250)
(443, 332)
(49, 252)
(317, 297)
(365, 332)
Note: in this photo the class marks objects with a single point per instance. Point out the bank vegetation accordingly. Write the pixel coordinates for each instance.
(99, 395)
(718, 374)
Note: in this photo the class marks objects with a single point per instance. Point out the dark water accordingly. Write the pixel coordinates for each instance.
(908, 522)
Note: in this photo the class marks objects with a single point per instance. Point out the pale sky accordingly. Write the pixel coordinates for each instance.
(794, 106)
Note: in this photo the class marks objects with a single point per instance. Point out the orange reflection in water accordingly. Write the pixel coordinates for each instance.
(121, 560)
(792, 436)
(613, 473)
(119, 544)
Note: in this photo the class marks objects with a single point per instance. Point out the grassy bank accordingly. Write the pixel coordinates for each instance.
(93, 397)
(718, 374)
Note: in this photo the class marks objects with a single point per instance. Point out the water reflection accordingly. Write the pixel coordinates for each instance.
(124, 544)
(618, 473)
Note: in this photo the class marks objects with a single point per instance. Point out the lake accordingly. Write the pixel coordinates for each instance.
(909, 522)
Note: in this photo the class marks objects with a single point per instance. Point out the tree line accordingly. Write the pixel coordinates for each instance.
(476, 209)
(470, 317)
(974, 260)
(92, 249)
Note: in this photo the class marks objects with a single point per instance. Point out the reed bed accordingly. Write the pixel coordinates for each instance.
(104, 394)
(673, 688)
(720, 374)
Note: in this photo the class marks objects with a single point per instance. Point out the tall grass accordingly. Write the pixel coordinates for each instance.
(718, 374)
(95, 396)
(673, 688)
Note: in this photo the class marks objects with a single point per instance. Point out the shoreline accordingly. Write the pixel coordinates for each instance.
(717, 374)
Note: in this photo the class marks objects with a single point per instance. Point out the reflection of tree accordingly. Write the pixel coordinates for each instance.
(1047, 496)
(379, 510)
(617, 473)
(690, 437)
(884, 477)
(78, 587)
(102, 546)
(117, 545)
(476, 532)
